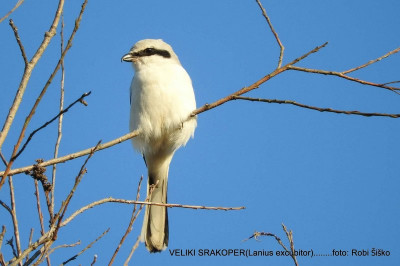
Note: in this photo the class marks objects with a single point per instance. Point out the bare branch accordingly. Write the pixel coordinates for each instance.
(86, 248)
(3, 232)
(46, 255)
(43, 239)
(320, 109)
(94, 260)
(12, 10)
(21, 47)
(26, 76)
(282, 48)
(39, 209)
(341, 75)
(372, 61)
(29, 243)
(110, 199)
(2, 203)
(135, 246)
(14, 216)
(76, 154)
(10, 242)
(3, 159)
(64, 206)
(392, 82)
(60, 119)
(49, 122)
(29, 117)
(129, 229)
(289, 235)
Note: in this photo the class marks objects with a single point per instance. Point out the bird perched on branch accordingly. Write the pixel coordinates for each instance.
(162, 99)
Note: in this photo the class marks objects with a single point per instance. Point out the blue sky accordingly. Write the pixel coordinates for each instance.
(333, 179)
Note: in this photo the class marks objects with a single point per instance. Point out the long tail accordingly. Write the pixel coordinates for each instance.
(155, 225)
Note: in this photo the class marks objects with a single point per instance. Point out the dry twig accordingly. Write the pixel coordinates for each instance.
(124, 201)
(21, 46)
(12, 10)
(341, 75)
(49, 122)
(289, 235)
(60, 119)
(60, 215)
(314, 107)
(135, 246)
(86, 248)
(129, 228)
(281, 47)
(75, 155)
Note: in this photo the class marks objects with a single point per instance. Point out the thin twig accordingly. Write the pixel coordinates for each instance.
(320, 109)
(391, 82)
(26, 76)
(341, 75)
(46, 255)
(123, 201)
(74, 155)
(135, 246)
(29, 243)
(49, 122)
(10, 242)
(12, 10)
(43, 239)
(3, 232)
(2, 261)
(60, 119)
(372, 61)
(64, 205)
(282, 48)
(129, 228)
(39, 209)
(21, 46)
(14, 216)
(3, 158)
(2, 203)
(289, 235)
(86, 248)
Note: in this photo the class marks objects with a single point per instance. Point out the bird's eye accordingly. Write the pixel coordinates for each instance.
(149, 50)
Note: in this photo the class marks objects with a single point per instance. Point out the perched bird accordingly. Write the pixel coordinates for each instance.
(162, 99)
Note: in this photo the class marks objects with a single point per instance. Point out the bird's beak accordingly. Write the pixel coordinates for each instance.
(128, 58)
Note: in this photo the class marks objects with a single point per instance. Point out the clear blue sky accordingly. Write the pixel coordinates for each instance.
(333, 179)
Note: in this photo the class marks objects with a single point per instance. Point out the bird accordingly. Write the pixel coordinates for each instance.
(162, 100)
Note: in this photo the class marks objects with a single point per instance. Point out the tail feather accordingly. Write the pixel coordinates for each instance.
(155, 225)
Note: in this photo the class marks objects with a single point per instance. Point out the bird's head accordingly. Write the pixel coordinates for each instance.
(150, 51)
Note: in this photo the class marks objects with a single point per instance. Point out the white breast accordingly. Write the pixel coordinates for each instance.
(162, 98)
